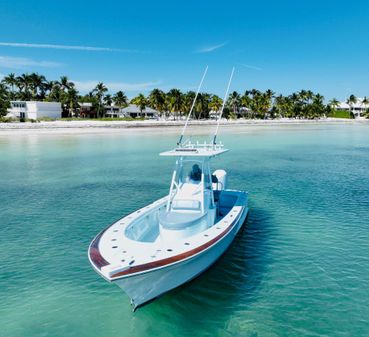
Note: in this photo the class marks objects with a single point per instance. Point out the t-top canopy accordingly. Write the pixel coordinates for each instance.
(196, 150)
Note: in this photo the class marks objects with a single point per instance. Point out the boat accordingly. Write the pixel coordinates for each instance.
(175, 238)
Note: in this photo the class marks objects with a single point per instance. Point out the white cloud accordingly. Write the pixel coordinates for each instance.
(250, 66)
(60, 46)
(85, 86)
(209, 49)
(23, 62)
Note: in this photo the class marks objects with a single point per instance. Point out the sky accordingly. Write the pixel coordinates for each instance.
(136, 46)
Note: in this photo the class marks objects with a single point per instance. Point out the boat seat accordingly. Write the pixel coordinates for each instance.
(177, 220)
(188, 205)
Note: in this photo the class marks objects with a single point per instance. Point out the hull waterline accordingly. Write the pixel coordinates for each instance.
(146, 286)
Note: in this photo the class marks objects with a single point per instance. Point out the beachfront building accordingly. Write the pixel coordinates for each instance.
(214, 114)
(113, 111)
(86, 110)
(358, 109)
(34, 110)
(244, 112)
(134, 111)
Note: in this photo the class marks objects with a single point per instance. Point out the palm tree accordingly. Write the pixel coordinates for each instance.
(4, 100)
(234, 100)
(120, 99)
(99, 91)
(284, 106)
(157, 100)
(270, 94)
(246, 102)
(215, 103)
(65, 84)
(279, 104)
(309, 95)
(55, 93)
(187, 101)
(11, 80)
(319, 98)
(317, 109)
(24, 83)
(334, 103)
(43, 87)
(71, 101)
(175, 101)
(332, 106)
(108, 100)
(141, 102)
(202, 105)
(365, 102)
(351, 101)
(38, 85)
(303, 97)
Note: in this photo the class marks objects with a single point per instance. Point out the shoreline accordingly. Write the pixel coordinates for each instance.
(91, 126)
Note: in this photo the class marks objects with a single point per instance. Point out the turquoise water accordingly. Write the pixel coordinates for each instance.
(300, 266)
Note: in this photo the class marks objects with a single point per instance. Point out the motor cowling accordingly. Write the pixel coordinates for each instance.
(219, 180)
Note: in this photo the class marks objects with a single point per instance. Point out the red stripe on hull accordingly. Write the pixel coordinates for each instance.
(95, 255)
(170, 260)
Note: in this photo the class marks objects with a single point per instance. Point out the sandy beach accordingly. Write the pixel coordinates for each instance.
(91, 126)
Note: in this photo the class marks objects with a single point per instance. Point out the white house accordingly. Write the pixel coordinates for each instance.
(34, 109)
(357, 109)
(134, 111)
(114, 111)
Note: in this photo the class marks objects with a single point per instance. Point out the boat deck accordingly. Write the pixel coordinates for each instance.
(114, 255)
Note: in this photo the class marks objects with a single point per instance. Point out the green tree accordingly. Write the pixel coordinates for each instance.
(56, 93)
(157, 100)
(65, 84)
(120, 99)
(234, 101)
(202, 105)
(174, 99)
(38, 86)
(11, 81)
(24, 84)
(365, 102)
(4, 100)
(140, 101)
(108, 100)
(71, 101)
(187, 102)
(99, 92)
(334, 103)
(351, 101)
(215, 103)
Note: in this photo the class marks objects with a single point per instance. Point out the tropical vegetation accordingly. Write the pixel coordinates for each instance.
(253, 103)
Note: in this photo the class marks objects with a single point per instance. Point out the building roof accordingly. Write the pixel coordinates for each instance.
(43, 102)
(111, 107)
(359, 104)
(133, 108)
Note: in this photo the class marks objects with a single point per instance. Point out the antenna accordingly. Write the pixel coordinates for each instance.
(193, 105)
(221, 111)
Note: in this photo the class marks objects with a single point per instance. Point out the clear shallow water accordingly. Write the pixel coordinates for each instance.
(299, 267)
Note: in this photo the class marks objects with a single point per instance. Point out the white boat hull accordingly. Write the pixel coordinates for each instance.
(145, 286)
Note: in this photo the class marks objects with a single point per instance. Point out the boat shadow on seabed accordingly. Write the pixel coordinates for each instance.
(233, 281)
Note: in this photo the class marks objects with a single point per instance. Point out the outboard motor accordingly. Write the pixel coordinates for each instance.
(219, 180)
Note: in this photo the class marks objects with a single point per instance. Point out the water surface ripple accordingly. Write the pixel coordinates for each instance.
(299, 267)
